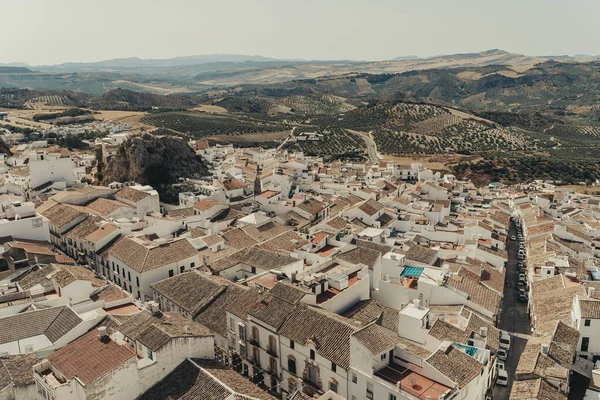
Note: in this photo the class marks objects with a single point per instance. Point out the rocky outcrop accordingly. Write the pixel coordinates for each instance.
(150, 160)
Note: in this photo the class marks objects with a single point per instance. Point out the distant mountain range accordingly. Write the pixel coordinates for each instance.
(136, 62)
(204, 72)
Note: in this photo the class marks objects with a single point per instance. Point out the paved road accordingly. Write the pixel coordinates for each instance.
(514, 318)
(371, 146)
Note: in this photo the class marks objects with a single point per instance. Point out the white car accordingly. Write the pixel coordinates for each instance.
(502, 378)
(504, 342)
(513, 238)
(500, 365)
(502, 354)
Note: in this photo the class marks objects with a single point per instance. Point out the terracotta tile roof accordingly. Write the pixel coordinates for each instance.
(330, 333)
(62, 214)
(17, 370)
(109, 293)
(590, 308)
(131, 194)
(272, 311)
(154, 331)
(181, 213)
(311, 206)
(289, 241)
(266, 231)
(245, 302)
(204, 379)
(67, 274)
(106, 207)
(255, 257)
(360, 255)
(365, 312)
(318, 237)
(421, 254)
(204, 204)
(456, 365)
(477, 293)
(371, 207)
(89, 357)
(374, 339)
(382, 248)
(443, 331)
(238, 239)
(53, 322)
(551, 306)
(145, 257)
(493, 334)
(214, 316)
(190, 290)
(233, 184)
(535, 389)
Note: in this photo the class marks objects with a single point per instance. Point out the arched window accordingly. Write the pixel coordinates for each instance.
(272, 344)
(255, 334)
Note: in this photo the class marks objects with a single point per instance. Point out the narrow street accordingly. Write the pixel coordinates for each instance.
(514, 317)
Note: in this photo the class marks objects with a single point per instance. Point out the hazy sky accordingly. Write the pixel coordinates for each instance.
(55, 31)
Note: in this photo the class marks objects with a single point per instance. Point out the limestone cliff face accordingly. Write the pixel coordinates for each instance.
(151, 160)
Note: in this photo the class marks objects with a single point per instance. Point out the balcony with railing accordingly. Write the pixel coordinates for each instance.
(272, 351)
(253, 341)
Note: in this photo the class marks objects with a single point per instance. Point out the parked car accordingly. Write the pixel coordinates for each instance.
(504, 341)
(500, 365)
(523, 297)
(521, 286)
(520, 237)
(520, 256)
(502, 354)
(513, 238)
(502, 378)
(522, 277)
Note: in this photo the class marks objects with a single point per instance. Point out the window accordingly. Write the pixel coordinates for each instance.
(137, 281)
(585, 342)
(333, 367)
(291, 365)
(354, 378)
(392, 397)
(291, 344)
(312, 354)
(369, 391)
(272, 344)
(170, 273)
(254, 270)
(118, 271)
(587, 322)
(231, 324)
(139, 294)
(383, 356)
(182, 268)
(130, 289)
(150, 354)
(129, 276)
(273, 364)
(333, 386)
(255, 334)
(192, 265)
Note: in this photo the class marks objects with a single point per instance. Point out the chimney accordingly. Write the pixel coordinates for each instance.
(544, 348)
(483, 331)
(416, 303)
(154, 308)
(102, 334)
